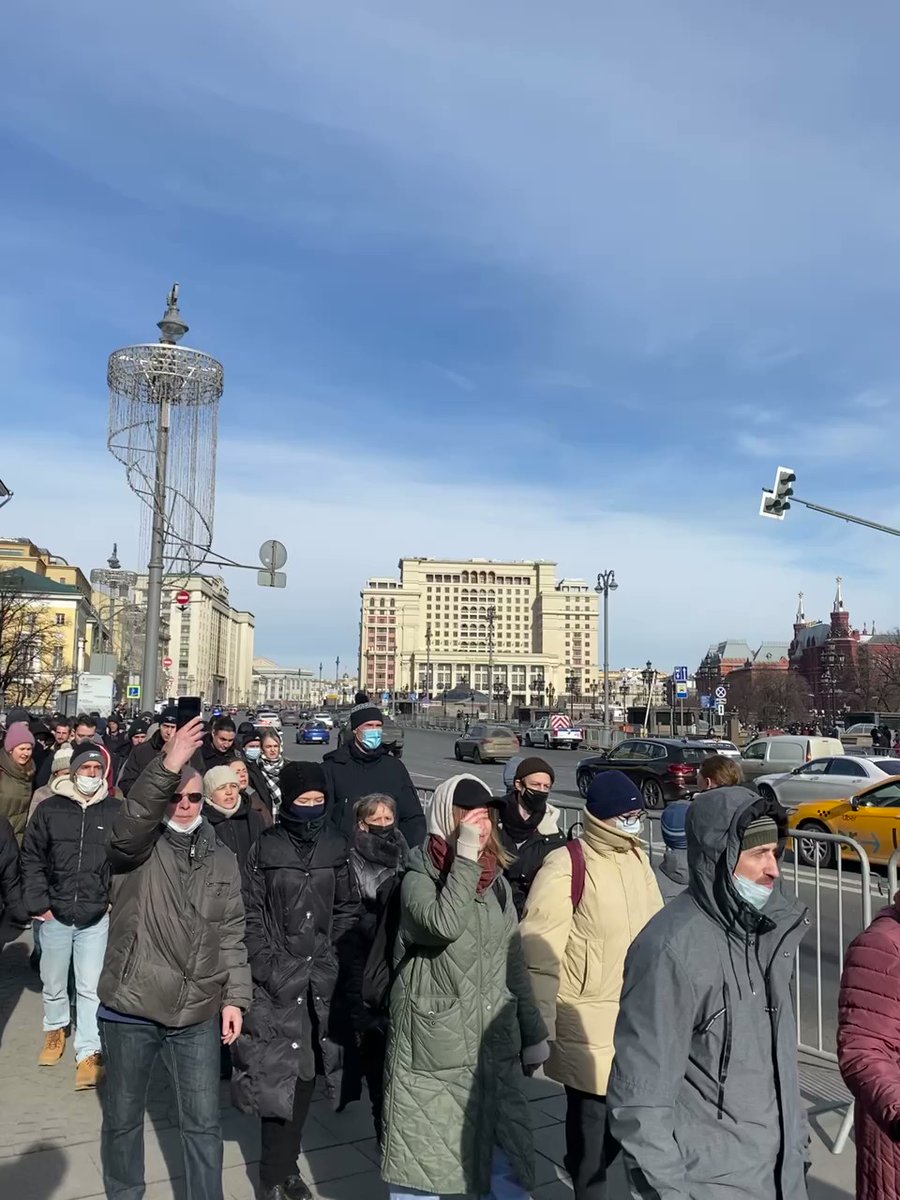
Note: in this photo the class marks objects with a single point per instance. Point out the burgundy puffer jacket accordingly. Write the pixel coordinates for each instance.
(869, 1052)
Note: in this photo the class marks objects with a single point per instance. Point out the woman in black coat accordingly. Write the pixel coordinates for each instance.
(236, 822)
(301, 903)
(378, 856)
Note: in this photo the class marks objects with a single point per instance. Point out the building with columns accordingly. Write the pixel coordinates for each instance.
(280, 686)
(503, 627)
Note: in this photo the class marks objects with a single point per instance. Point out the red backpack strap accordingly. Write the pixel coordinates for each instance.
(576, 854)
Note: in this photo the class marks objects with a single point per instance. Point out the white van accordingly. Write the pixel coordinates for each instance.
(784, 751)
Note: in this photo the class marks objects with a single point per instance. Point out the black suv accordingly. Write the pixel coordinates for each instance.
(665, 769)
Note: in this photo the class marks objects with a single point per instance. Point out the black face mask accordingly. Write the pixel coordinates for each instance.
(380, 831)
(532, 801)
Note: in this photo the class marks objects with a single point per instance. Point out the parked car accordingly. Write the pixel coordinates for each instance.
(268, 720)
(665, 769)
(552, 735)
(782, 752)
(836, 778)
(487, 743)
(311, 732)
(871, 817)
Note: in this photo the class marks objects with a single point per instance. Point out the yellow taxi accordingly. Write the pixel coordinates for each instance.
(871, 817)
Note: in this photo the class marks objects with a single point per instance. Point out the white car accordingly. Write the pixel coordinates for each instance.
(326, 719)
(549, 733)
(268, 720)
(834, 778)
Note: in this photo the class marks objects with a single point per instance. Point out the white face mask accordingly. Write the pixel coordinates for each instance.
(88, 785)
(756, 894)
(195, 824)
(632, 827)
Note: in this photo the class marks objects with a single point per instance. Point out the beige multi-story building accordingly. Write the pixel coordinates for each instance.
(277, 685)
(492, 626)
(209, 642)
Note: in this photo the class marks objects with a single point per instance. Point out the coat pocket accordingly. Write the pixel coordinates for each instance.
(438, 1037)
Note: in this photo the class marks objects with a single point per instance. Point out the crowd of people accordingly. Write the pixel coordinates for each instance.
(196, 898)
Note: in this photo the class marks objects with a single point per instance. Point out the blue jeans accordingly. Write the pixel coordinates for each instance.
(62, 945)
(191, 1056)
(504, 1185)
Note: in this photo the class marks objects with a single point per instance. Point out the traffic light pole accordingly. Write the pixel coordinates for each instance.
(842, 516)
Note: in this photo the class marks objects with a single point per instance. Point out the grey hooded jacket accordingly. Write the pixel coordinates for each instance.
(704, 1095)
(672, 874)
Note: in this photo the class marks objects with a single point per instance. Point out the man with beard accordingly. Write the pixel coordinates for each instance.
(529, 827)
(365, 766)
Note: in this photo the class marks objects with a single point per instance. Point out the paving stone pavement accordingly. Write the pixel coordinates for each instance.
(49, 1134)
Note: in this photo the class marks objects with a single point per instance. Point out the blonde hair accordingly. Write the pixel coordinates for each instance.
(493, 845)
(367, 806)
(721, 771)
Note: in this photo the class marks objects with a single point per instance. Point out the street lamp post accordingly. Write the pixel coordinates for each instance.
(491, 618)
(606, 583)
(571, 686)
(337, 675)
(428, 661)
(648, 675)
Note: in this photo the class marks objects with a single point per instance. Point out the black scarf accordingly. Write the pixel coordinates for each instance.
(520, 828)
(391, 851)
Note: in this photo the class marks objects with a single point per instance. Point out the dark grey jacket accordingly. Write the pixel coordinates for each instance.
(672, 874)
(176, 951)
(704, 1094)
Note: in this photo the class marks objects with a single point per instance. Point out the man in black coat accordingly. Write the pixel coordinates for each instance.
(529, 827)
(365, 766)
(12, 908)
(141, 756)
(62, 736)
(218, 745)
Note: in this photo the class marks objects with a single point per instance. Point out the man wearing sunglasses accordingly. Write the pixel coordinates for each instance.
(175, 981)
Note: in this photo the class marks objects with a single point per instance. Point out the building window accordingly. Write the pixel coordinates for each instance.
(60, 618)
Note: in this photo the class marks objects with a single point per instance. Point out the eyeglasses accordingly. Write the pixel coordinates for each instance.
(191, 797)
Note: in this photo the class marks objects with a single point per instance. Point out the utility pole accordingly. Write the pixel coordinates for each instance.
(337, 673)
(428, 661)
(491, 618)
(321, 665)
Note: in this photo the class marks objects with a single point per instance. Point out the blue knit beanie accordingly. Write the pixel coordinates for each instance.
(672, 824)
(612, 793)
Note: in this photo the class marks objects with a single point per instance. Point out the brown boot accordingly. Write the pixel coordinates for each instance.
(54, 1047)
(89, 1073)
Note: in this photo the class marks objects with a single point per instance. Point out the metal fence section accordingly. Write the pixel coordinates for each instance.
(828, 955)
(892, 870)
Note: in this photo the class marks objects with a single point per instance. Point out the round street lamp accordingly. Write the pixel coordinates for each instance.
(606, 583)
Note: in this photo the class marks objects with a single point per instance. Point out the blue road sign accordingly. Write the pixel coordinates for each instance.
(706, 701)
(134, 691)
(680, 674)
(385, 696)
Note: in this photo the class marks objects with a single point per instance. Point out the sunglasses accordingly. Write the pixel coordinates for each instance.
(191, 797)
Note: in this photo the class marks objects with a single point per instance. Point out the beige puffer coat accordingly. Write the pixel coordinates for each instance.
(576, 960)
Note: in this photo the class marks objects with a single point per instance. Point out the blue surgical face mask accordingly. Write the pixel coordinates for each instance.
(756, 894)
(372, 738)
(252, 752)
(632, 827)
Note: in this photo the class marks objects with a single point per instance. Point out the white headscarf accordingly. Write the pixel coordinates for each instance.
(441, 821)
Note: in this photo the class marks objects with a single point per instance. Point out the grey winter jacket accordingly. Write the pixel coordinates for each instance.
(176, 951)
(672, 874)
(698, 1100)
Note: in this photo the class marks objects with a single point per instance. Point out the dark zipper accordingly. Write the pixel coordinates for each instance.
(80, 857)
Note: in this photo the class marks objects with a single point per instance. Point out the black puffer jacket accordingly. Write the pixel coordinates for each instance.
(301, 902)
(352, 773)
(213, 757)
(142, 756)
(238, 832)
(529, 852)
(64, 863)
(12, 908)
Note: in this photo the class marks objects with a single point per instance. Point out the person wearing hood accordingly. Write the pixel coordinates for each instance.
(114, 737)
(463, 1022)
(16, 776)
(135, 736)
(529, 825)
(175, 981)
(672, 870)
(378, 856)
(576, 957)
(364, 766)
(301, 904)
(704, 1095)
(868, 1042)
(236, 823)
(66, 886)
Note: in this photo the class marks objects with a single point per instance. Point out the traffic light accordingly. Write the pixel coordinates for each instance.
(776, 502)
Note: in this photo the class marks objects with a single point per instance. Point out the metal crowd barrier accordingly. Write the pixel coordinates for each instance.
(849, 925)
(892, 870)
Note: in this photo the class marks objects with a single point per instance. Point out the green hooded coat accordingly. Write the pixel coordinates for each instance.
(461, 1012)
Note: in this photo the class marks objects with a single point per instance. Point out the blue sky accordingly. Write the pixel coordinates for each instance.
(486, 280)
